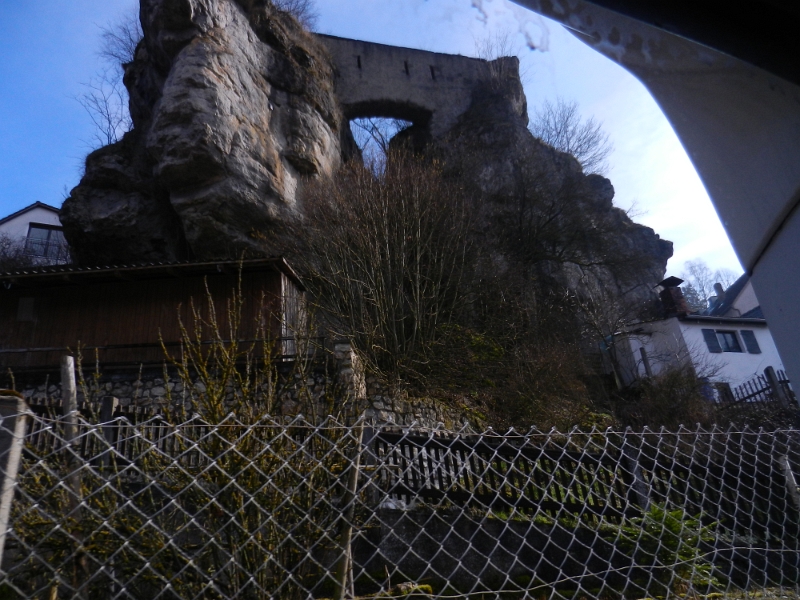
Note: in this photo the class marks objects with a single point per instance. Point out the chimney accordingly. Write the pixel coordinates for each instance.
(720, 292)
(672, 298)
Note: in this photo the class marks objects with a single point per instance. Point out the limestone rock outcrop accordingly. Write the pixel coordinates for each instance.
(232, 104)
(235, 107)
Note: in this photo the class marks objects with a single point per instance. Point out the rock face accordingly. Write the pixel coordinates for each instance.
(541, 216)
(235, 106)
(232, 105)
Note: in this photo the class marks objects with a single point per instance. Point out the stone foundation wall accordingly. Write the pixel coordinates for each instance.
(338, 387)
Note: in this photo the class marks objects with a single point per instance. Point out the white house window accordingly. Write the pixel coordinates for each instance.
(728, 341)
(46, 242)
(719, 340)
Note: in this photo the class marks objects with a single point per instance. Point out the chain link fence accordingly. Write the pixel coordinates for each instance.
(292, 509)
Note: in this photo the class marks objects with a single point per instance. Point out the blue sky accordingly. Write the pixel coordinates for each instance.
(49, 47)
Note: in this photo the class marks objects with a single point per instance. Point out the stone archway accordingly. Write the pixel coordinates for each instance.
(430, 89)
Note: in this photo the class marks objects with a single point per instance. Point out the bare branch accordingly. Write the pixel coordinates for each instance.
(302, 10)
(560, 125)
(373, 135)
(106, 101)
(119, 40)
(105, 97)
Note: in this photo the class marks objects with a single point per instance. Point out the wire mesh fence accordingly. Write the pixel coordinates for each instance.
(294, 509)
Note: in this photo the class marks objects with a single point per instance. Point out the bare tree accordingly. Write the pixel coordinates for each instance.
(373, 135)
(105, 98)
(561, 126)
(700, 280)
(119, 40)
(726, 277)
(387, 251)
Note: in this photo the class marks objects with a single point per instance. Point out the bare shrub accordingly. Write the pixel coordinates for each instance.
(105, 100)
(302, 10)
(120, 40)
(12, 254)
(672, 398)
(386, 256)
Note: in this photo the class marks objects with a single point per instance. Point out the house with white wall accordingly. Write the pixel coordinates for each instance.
(729, 343)
(38, 231)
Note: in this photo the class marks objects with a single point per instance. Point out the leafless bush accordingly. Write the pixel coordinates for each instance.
(105, 99)
(500, 45)
(12, 253)
(119, 40)
(302, 10)
(386, 257)
(561, 126)
(18, 253)
(674, 397)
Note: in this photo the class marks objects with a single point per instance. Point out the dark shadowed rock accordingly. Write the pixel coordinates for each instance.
(541, 216)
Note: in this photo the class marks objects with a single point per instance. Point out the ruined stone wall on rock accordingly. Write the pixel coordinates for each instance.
(430, 89)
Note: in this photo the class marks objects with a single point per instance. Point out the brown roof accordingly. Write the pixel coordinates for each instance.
(56, 275)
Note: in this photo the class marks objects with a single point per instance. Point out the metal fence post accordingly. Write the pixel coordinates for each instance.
(15, 416)
(631, 464)
(791, 482)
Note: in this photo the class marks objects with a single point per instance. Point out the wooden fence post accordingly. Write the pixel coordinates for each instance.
(69, 408)
(343, 571)
(775, 386)
(107, 410)
(15, 417)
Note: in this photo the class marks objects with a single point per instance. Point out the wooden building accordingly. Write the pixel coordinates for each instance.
(120, 314)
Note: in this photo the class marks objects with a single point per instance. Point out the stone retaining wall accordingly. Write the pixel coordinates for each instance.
(337, 386)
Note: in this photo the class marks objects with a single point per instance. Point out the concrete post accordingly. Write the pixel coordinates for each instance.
(15, 416)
